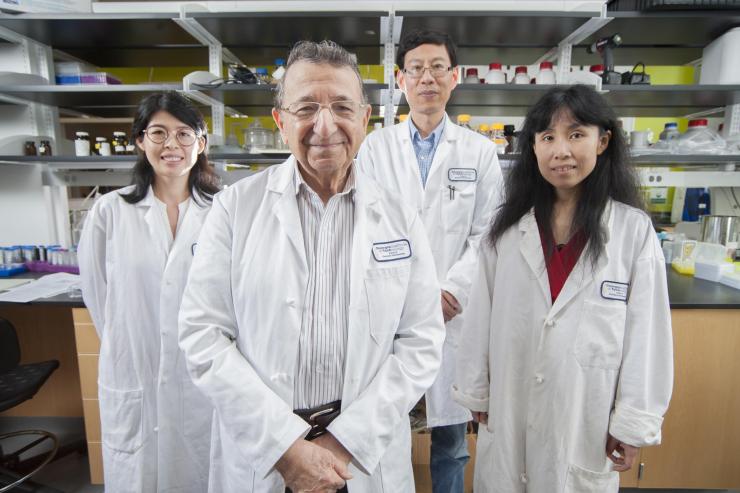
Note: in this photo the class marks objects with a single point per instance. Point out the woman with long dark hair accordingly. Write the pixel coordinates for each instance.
(135, 253)
(566, 357)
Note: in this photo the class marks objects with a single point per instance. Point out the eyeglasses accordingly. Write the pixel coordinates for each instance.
(340, 110)
(159, 135)
(437, 70)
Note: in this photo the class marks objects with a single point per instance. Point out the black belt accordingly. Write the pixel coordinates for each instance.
(319, 418)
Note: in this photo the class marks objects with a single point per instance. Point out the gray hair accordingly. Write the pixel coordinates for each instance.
(325, 52)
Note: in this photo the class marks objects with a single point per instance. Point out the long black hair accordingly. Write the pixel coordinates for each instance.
(202, 178)
(613, 177)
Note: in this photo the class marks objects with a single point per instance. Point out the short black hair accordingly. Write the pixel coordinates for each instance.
(417, 38)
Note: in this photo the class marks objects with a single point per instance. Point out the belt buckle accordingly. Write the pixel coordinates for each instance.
(321, 413)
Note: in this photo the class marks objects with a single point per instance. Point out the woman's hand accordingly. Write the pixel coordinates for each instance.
(625, 454)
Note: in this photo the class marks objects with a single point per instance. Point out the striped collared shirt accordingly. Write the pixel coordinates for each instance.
(327, 236)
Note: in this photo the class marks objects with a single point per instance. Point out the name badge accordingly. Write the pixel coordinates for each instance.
(611, 290)
(192, 248)
(388, 251)
(462, 174)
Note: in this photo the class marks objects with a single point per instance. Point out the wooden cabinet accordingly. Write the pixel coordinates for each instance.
(701, 431)
(88, 348)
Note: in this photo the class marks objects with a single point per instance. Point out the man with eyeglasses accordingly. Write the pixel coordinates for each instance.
(452, 177)
(311, 318)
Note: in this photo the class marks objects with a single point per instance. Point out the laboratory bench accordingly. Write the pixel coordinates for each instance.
(702, 418)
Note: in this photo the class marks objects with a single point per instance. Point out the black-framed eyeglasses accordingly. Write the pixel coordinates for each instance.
(340, 110)
(159, 135)
(436, 70)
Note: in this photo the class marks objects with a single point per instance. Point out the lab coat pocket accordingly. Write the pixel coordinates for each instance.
(386, 294)
(601, 334)
(121, 418)
(581, 480)
(458, 203)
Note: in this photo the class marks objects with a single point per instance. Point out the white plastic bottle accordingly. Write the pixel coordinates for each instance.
(471, 76)
(546, 75)
(495, 75)
(520, 75)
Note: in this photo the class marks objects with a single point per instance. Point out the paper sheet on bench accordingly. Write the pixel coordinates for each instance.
(47, 286)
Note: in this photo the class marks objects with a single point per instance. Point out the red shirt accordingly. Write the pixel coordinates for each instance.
(562, 261)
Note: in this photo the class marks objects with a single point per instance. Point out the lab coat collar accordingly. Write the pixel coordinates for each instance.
(196, 199)
(285, 207)
(531, 249)
(584, 270)
(450, 131)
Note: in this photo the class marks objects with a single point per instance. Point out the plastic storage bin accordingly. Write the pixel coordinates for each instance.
(731, 279)
(720, 59)
(99, 78)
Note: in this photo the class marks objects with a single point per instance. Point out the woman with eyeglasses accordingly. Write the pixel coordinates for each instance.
(135, 252)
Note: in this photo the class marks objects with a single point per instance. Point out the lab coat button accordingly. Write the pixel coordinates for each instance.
(549, 323)
(290, 301)
(156, 429)
(538, 378)
(523, 478)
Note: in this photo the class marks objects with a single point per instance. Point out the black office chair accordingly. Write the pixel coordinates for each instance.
(19, 383)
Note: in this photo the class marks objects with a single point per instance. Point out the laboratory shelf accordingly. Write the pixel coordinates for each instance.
(113, 162)
(507, 37)
(699, 160)
(114, 100)
(249, 98)
(126, 162)
(113, 40)
(628, 101)
(258, 38)
(140, 39)
(659, 38)
(692, 161)
(670, 100)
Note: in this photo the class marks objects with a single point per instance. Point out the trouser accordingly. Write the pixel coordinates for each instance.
(449, 454)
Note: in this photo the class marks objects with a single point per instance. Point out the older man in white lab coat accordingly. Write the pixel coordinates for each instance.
(310, 316)
(452, 176)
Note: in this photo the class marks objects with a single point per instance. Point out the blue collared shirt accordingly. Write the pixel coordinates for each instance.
(425, 148)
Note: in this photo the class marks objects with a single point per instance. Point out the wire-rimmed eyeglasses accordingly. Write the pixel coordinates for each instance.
(340, 110)
(436, 70)
(159, 135)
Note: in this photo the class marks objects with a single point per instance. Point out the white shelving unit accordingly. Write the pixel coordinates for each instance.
(258, 32)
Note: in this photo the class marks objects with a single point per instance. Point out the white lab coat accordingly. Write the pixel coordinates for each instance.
(467, 161)
(155, 422)
(241, 316)
(555, 379)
